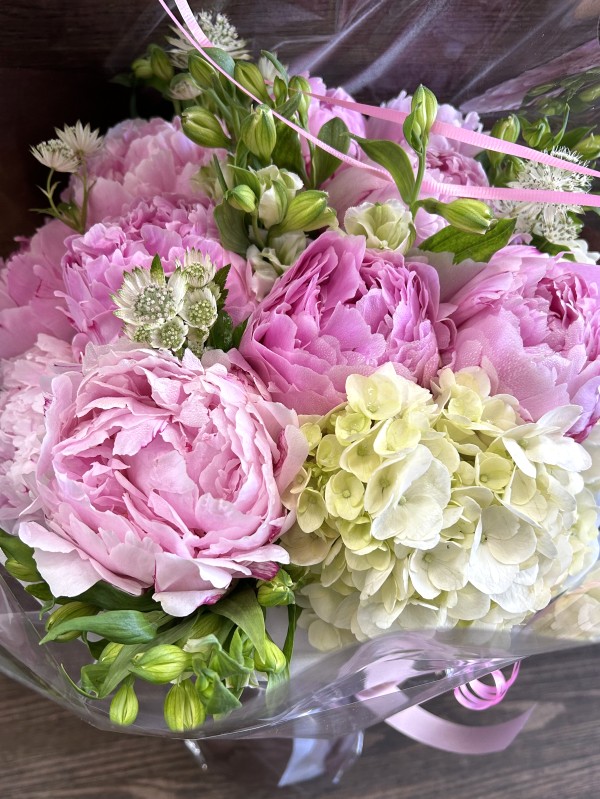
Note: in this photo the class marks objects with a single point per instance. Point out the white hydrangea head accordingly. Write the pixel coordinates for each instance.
(385, 226)
(417, 510)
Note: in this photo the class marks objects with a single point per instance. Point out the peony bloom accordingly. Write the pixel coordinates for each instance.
(140, 160)
(533, 322)
(22, 406)
(96, 262)
(161, 473)
(28, 282)
(340, 310)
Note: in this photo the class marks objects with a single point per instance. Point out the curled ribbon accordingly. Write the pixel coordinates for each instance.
(195, 35)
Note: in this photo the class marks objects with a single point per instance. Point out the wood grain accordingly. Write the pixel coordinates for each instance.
(45, 753)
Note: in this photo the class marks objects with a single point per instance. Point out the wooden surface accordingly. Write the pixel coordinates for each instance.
(45, 753)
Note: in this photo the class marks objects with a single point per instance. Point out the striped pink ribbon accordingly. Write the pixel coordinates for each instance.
(195, 35)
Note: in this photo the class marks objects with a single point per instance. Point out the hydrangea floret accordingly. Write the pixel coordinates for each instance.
(419, 510)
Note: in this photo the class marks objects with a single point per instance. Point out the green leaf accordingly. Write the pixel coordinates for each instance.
(575, 135)
(119, 626)
(232, 228)
(242, 608)
(221, 700)
(106, 597)
(14, 548)
(157, 273)
(220, 277)
(40, 591)
(392, 157)
(289, 108)
(476, 246)
(336, 134)
(244, 177)
(221, 333)
(238, 332)
(222, 58)
(93, 676)
(293, 616)
(276, 63)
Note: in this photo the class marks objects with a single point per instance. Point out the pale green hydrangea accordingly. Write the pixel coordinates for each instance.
(419, 510)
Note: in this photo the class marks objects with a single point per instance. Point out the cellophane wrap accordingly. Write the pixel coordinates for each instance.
(488, 56)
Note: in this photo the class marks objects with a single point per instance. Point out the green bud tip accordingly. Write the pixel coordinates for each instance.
(242, 198)
(258, 132)
(124, 706)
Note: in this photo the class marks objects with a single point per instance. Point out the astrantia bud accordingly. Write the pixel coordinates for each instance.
(242, 198)
(160, 64)
(470, 216)
(203, 128)
(183, 709)
(250, 78)
(258, 132)
(274, 661)
(162, 664)
(124, 706)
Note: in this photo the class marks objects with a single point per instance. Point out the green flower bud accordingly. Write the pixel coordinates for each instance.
(280, 90)
(203, 128)
(303, 211)
(200, 70)
(589, 148)
(277, 591)
(110, 652)
(124, 706)
(72, 610)
(422, 116)
(162, 664)
(183, 709)
(248, 74)
(258, 132)
(141, 68)
(536, 134)
(160, 64)
(242, 198)
(470, 216)
(507, 129)
(274, 661)
(26, 572)
(300, 84)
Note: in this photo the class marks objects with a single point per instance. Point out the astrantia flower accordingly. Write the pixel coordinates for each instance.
(218, 30)
(552, 222)
(143, 300)
(57, 155)
(159, 473)
(82, 140)
(417, 510)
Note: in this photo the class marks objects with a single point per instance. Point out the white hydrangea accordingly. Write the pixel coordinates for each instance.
(418, 511)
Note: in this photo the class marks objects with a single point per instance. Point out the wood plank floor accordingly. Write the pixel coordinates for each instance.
(45, 753)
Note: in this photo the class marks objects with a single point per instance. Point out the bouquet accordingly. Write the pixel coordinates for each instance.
(300, 400)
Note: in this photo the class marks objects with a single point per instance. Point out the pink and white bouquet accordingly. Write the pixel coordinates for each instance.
(278, 351)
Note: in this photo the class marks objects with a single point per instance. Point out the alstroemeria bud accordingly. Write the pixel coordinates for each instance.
(280, 90)
(277, 591)
(142, 68)
(110, 652)
(258, 132)
(274, 661)
(536, 134)
(304, 209)
(507, 129)
(203, 128)
(200, 70)
(124, 706)
(26, 572)
(72, 610)
(470, 216)
(162, 664)
(590, 95)
(183, 709)
(589, 148)
(160, 64)
(242, 198)
(418, 123)
(248, 74)
(300, 84)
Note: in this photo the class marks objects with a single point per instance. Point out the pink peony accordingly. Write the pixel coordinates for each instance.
(533, 322)
(140, 160)
(342, 310)
(22, 406)
(95, 263)
(161, 473)
(28, 282)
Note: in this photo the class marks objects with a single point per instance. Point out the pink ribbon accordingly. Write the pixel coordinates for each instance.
(199, 40)
(477, 695)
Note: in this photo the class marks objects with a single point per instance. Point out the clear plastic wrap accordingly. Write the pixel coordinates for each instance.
(481, 55)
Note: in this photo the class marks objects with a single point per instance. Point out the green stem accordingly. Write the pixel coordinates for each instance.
(84, 200)
(420, 174)
(177, 107)
(50, 192)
